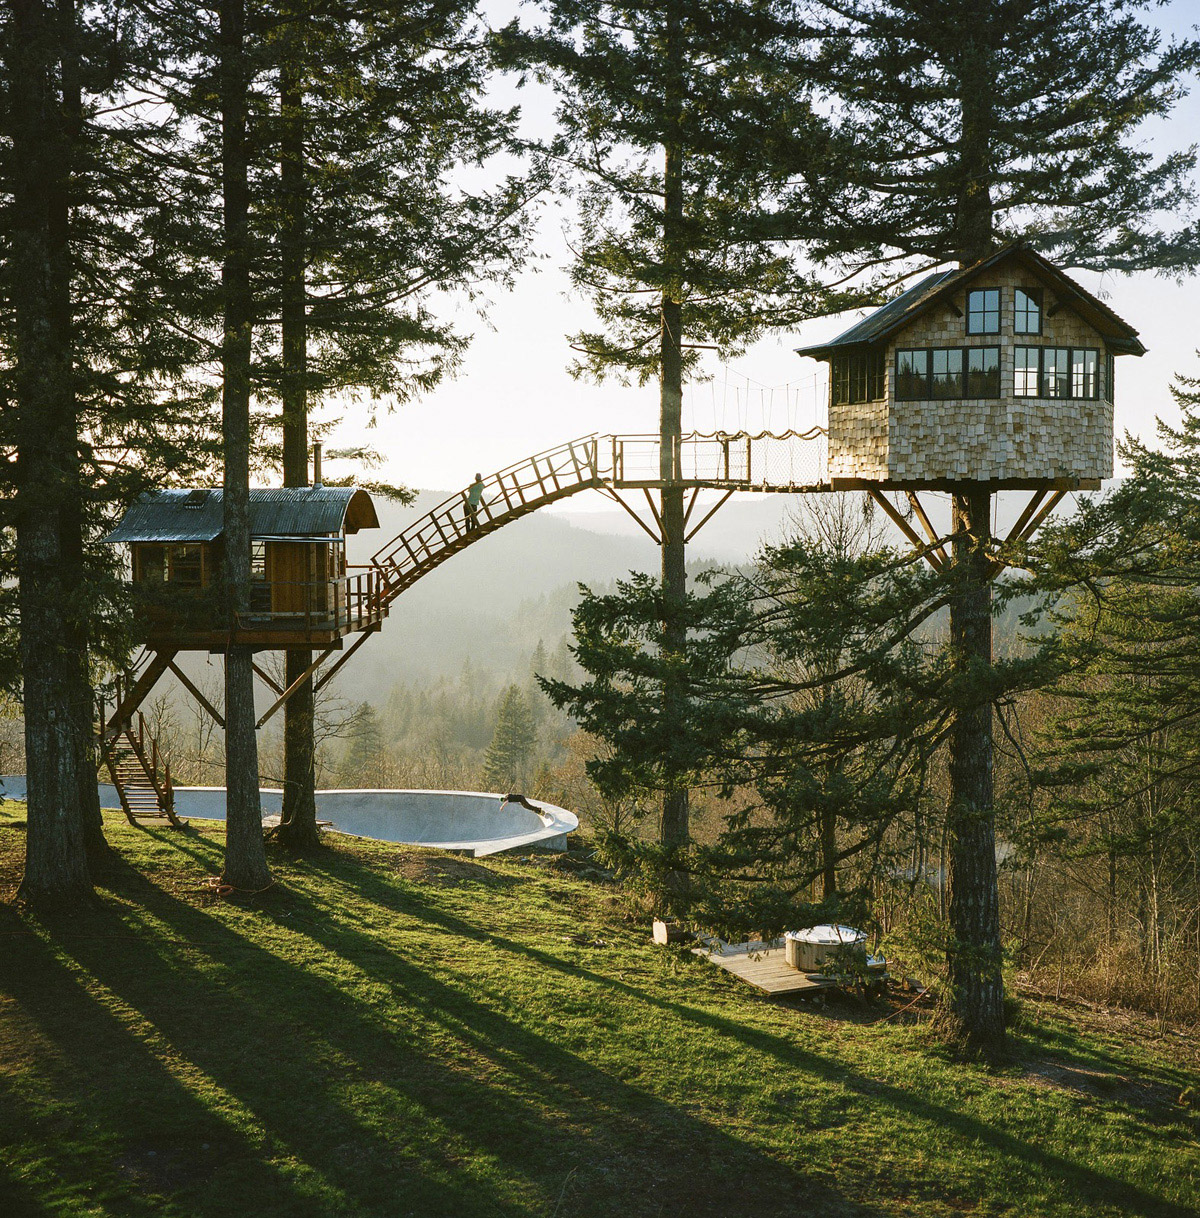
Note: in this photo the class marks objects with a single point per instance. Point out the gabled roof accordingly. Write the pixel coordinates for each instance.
(879, 326)
(285, 511)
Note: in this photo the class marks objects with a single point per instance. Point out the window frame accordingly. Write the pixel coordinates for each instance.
(176, 552)
(858, 372)
(1070, 395)
(999, 309)
(1036, 296)
(963, 395)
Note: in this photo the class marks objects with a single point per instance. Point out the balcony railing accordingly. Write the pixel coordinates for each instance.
(351, 602)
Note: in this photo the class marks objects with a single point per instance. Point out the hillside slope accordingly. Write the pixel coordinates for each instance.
(387, 1032)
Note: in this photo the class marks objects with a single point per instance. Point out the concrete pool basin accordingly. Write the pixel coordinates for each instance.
(481, 822)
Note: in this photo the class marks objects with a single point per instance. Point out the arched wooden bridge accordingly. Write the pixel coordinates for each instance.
(790, 461)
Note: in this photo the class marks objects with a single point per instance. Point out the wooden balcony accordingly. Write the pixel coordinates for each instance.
(283, 613)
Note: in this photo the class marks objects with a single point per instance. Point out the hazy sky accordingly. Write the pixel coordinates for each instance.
(513, 396)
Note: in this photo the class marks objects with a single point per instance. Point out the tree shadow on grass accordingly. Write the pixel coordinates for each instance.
(399, 1093)
(1082, 1183)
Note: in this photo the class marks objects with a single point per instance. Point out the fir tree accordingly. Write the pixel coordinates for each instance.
(506, 763)
(963, 126)
(678, 118)
(378, 105)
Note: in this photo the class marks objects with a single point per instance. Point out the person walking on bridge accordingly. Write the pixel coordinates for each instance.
(474, 498)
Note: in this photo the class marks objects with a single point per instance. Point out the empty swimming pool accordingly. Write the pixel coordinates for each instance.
(479, 821)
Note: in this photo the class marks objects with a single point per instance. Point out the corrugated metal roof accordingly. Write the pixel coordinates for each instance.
(875, 327)
(283, 511)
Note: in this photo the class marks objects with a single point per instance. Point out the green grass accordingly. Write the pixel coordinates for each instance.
(392, 1033)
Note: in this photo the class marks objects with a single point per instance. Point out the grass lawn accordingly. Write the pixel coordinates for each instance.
(389, 1032)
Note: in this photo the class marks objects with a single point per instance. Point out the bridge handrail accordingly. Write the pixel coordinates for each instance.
(591, 460)
(448, 512)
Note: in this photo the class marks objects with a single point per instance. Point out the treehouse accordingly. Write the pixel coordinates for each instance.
(302, 592)
(998, 373)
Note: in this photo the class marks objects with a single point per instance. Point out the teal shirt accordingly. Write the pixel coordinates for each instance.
(475, 494)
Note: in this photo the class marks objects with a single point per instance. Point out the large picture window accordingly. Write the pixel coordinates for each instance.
(912, 375)
(983, 372)
(1027, 311)
(940, 373)
(858, 378)
(1057, 372)
(983, 311)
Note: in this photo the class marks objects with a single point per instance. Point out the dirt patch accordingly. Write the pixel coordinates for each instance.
(1108, 1085)
(444, 870)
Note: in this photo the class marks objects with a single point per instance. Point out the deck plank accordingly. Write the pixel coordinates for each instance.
(763, 967)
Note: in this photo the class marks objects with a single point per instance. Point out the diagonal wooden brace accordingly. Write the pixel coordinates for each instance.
(183, 680)
(913, 536)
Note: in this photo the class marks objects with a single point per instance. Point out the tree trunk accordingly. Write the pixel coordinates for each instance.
(674, 830)
(245, 857)
(298, 824)
(56, 871)
(75, 574)
(828, 854)
(976, 983)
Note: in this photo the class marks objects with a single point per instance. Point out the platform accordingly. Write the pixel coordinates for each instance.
(763, 966)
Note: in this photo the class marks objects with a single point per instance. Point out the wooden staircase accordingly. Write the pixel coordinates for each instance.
(141, 776)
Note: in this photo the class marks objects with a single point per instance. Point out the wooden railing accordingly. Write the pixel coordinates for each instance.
(135, 736)
(349, 602)
(733, 461)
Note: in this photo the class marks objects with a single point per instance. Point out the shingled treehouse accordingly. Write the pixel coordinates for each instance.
(303, 593)
(993, 376)
(999, 373)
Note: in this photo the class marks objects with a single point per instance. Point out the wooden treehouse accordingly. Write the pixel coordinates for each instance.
(303, 594)
(302, 591)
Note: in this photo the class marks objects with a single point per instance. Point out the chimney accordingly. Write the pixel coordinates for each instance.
(317, 465)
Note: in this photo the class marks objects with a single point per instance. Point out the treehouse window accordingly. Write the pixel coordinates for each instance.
(945, 373)
(946, 379)
(1085, 373)
(983, 372)
(260, 590)
(912, 375)
(983, 311)
(151, 564)
(1057, 372)
(1027, 312)
(858, 378)
(186, 565)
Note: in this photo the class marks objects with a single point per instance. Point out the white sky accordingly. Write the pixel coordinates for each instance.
(513, 396)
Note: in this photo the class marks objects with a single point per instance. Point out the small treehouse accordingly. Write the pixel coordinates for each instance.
(999, 373)
(302, 592)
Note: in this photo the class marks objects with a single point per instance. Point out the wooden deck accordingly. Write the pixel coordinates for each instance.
(761, 965)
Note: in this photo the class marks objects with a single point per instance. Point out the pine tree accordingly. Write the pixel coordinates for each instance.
(376, 109)
(963, 126)
(123, 290)
(365, 762)
(506, 763)
(677, 117)
(47, 443)
(245, 857)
